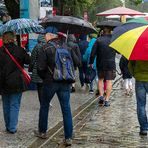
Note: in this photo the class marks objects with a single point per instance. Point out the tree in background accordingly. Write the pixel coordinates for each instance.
(13, 7)
(77, 7)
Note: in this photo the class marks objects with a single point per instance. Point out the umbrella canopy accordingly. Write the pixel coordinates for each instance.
(120, 11)
(110, 23)
(69, 24)
(21, 26)
(143, 20)
(117, 16)
(131, 40)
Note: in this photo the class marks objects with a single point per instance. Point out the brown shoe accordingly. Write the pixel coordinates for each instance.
(40, 135)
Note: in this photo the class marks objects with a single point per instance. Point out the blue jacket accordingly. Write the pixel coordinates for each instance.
(86, 56)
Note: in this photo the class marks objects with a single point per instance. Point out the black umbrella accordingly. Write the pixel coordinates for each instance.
(69, 24)
(109, 23)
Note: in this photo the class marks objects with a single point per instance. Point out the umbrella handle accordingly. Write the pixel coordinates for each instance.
(67, 35)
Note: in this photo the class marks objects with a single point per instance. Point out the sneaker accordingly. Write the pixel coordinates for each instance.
(91, 91)
(40, 135)
(10, 132)
(143, 133)
(73, 89)
(101, 100)
(68, 142)
(106, 103)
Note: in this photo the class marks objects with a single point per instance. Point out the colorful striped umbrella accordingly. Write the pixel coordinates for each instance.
(131, 40)
(22, 26)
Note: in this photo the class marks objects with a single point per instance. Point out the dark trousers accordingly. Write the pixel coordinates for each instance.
(82, 72)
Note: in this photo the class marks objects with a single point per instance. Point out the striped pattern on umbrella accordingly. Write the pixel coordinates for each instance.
(22, 26)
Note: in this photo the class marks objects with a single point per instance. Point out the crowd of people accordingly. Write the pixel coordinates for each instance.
(85, 52)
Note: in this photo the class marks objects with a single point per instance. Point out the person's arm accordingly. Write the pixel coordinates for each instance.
(93, 53)
(76, 56)
(33, 58)
(27, 57)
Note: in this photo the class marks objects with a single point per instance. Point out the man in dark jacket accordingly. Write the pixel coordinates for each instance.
(12, 80)
(83, 44)
(35, 78)
(75, 51)
(45, 65)
(105, 64)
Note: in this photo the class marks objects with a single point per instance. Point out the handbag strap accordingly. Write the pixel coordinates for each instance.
(13, 59)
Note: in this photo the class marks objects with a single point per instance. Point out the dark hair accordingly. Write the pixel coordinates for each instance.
(8, 37)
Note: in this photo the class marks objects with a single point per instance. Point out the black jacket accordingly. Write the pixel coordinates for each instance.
(75, 52)
(46, 61)
(11, 79)
(105, 54)
(123, 64)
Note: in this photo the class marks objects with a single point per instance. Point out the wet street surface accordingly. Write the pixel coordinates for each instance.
(94, 126)
(112, 127)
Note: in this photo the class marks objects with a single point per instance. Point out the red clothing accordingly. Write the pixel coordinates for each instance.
(1, 42)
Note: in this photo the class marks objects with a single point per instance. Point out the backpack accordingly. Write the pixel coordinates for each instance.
(64, 67)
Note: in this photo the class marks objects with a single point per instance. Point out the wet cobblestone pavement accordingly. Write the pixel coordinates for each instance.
(112, 127)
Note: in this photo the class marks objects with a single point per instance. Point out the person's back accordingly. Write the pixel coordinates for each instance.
(106, 53)
(123, 64)
(139, 70)
(83, 44)
(33, 64)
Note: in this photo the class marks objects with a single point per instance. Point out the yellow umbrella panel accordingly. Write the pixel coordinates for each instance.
(125, 43)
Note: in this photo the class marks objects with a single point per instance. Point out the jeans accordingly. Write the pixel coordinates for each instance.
(40, 91)
(11, 107)
(63, 93)
(141, 89)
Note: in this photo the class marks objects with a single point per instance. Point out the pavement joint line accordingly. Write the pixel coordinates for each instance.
(95, 99)
(75, 116)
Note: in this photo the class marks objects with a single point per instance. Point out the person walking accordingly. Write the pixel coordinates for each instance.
(71, 43)
(86, 57)
(105, 64)
(83, 44)
(12, 81)
(46, 66)
(35, 78)
(139, 70)
(127, 77)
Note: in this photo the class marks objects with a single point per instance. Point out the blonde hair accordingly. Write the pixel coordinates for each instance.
(8, 37)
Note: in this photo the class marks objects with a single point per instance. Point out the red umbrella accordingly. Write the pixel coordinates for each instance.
(120, 11)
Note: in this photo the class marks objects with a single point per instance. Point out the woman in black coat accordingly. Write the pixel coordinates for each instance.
(12, 81)
(127, 77)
